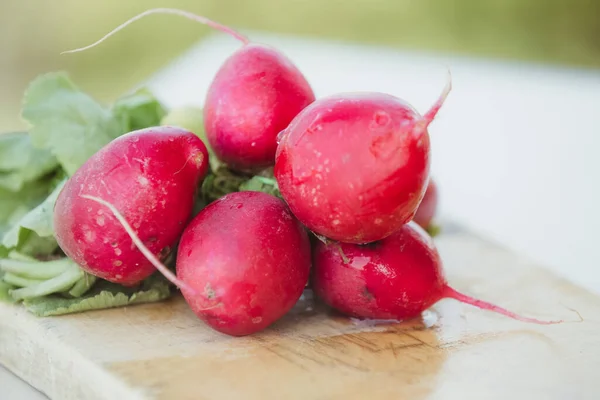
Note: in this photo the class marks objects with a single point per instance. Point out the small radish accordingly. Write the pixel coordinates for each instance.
(428, 207)
(248, 260)
(151, 177)
(354, 167)
(254, 96)
(398, 277)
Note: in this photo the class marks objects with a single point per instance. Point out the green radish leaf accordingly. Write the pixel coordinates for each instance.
(66, 121)
(33, 245)
(58, 284)
(33, 278)
(83, 285)
(261, 184)
(103, 295)
(21, 162)
(138, 110)
(39, 220)
(29, 268)
(17, 280)
(5, 289)
(434, 230)
(221, 182)
(15, 205)
(192, 119)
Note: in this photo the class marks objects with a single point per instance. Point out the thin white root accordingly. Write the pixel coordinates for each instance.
(174, 11)
(140, 245)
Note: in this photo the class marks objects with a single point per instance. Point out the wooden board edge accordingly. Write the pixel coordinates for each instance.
(42, 360)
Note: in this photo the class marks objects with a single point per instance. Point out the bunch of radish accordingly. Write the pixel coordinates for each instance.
(352, 169)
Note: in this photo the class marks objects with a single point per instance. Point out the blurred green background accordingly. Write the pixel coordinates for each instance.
(34, 32)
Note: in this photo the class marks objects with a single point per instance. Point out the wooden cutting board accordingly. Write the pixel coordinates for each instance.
(162, 351)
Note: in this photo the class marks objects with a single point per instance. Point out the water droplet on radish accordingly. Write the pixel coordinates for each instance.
(281, 136)
(359, 262)
(143, 180)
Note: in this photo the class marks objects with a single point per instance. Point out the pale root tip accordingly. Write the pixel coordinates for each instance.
(173, 11)
(80, 49)
(484, 305)
(140, 245)
(433, 111)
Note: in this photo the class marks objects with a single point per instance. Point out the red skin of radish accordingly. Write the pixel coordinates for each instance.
(428, 207)
(247, 258)
(254, 96)
(354, 167)
(150, 176)
(396, 278)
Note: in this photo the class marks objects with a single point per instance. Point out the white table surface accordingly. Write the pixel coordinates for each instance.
(13, 388)
(514, 145)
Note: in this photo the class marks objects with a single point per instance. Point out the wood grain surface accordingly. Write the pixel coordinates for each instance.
(162, 351)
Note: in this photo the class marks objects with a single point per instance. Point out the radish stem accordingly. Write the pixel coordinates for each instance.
(37, 270)
(20, 281)
(59, 283)
(83, 285)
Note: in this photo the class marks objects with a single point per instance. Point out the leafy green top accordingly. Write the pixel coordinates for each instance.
(67, 127)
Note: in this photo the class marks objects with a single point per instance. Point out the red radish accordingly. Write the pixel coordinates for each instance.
(248, 260)
(396, 278)
(242, 263)
(151, 177)
(354, 167)
(428, 206)
(253, 97)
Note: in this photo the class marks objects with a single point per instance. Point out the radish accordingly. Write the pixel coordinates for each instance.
(248, 260)
(254, 95)
(428, 207)
(242, 262)
(354, 167)
(396, 278)
(150, 176)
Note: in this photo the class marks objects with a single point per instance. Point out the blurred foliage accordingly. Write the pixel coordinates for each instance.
(34, 32)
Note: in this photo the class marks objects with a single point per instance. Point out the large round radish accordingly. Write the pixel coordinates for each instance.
(354, 167)
(247, 259)
(150, 176)
(396, 278)
(254, 96)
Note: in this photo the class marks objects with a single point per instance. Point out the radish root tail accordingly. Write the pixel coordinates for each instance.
(173, 11)
(484, 305)
(141, 247)
(423, 123)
